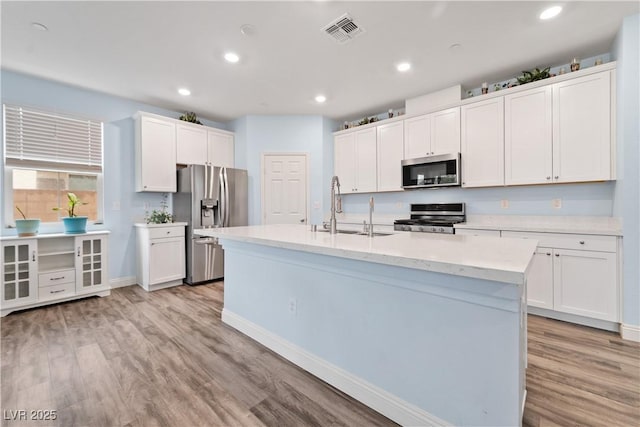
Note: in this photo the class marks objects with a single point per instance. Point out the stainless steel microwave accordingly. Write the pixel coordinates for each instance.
(434, 171)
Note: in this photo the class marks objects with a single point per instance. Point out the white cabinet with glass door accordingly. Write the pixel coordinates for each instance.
(91, 263)
(19, 272)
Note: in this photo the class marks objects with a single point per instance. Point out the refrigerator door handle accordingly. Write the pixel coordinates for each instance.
(223, 202)
(205, 241)
(210, 167)
(206, 181)
(226, 198)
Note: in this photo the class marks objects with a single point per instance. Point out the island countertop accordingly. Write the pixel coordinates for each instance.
(490, 258)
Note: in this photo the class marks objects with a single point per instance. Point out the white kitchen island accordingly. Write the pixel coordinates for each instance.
(424, 328)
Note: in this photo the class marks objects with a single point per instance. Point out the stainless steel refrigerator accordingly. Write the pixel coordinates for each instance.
(208, 197)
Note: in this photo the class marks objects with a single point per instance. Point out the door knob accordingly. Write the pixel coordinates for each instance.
(302, 220)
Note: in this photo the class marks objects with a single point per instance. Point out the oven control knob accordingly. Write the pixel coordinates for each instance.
(406, 227)
(441, 230)
(420, 228)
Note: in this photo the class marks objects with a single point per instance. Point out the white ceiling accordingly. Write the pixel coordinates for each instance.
(146, 50)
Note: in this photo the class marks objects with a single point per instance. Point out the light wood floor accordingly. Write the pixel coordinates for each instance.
(165, 359)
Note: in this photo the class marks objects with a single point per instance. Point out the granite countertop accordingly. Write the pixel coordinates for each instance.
(490, 258)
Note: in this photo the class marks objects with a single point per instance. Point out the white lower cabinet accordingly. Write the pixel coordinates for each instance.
(51, 268)
(566, 278)
(584, 284)
(161, 255)
(540, 280)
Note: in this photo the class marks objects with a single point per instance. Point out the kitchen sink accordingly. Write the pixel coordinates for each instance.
(360, 233)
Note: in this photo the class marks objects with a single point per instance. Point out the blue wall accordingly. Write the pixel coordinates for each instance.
(119, 172)
(626, 51)
(312, 135)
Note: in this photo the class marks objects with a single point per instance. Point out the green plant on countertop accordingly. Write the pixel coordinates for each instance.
(534, 75)
(160, 216)
(72, 202)
(21, 213)
(190, 117)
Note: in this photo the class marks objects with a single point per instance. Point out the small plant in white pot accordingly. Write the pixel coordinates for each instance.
(73, 224)
(26, 226)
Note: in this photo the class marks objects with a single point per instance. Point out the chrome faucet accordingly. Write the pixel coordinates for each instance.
(371, 217)
(333, 225)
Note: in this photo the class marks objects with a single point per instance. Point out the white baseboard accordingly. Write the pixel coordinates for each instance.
(376, 398)
(630, 332)
(121, 282)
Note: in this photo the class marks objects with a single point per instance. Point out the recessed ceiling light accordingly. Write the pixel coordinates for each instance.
(455, 47)
(184, 91)
(39, 26)
(320, 99)
(551, 12)
(404, 66)
(247, 30)
(231, 57)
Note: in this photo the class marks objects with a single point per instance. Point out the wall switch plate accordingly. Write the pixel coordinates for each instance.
(147, 206)
(556, 203)
(293, 305)
(316, 205)
(504, 204)
(116, 205)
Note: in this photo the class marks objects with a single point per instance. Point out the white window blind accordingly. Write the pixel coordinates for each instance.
(40, 139)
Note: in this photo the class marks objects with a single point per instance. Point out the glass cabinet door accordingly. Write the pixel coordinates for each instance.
(91, 263)
(19, 272)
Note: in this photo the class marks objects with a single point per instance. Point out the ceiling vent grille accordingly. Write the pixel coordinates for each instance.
(343, 29)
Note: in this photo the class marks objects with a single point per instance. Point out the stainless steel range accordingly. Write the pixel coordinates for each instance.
(432, 218)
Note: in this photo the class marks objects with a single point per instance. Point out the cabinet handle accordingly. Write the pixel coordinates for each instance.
(78, 250)
(548, 177)
(557, 254)
(168, 232)
(432, 152)
(33, 256)
(556, 177)
(57, 292)
(582, 242)
(548, 253)
(57, 278)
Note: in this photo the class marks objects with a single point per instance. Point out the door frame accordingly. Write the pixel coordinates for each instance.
(263, 157)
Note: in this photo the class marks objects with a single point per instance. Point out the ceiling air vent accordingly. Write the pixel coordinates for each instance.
(343, 29)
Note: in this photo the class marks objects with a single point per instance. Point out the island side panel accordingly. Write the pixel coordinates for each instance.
(452, 346)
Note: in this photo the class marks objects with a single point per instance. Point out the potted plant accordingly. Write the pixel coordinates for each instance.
(73, 224)
(162, 215)
(26, 226)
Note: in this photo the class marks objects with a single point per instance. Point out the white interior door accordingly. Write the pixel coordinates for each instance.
(284, 190)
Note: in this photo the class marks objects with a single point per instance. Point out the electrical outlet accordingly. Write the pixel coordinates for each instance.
(293, 305)
(147, 206)
(504, 204)
(556, 203)
(316, 205)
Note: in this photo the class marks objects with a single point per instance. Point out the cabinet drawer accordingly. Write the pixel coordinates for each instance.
(568, 241)
(477, 232)
(56, 278)
(56, 291)
(160, 232)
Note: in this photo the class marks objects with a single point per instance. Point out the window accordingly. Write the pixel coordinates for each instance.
(48, 155)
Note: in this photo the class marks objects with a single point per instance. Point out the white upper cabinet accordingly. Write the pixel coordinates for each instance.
(483, 143)
(417, 137)
(431, 134)
(345, 161)
(155, 154)
(528, 137)
(559, 133)
(389, 153)
(220, 148)
(582, 129)
(445, 131)
(191, 144)
(366, 161)
(355, 161)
